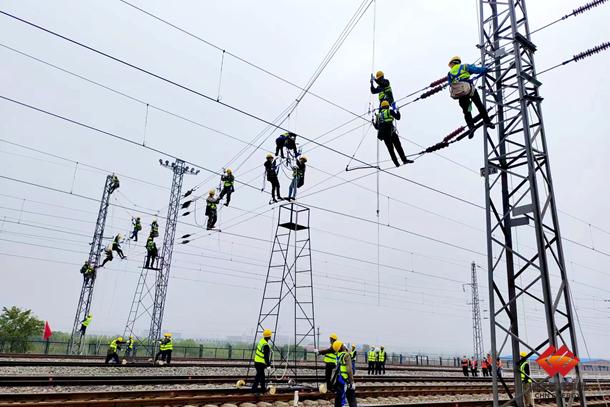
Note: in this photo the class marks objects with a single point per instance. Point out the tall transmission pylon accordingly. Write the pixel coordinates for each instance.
(149, 297)
(289, 278)
(519, 193)
(477, 328)
(75, 345)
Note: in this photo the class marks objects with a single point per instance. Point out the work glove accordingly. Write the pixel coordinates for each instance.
(394, 106)
(372, 78)
(352, 386)
(269, 369)
(316, 351)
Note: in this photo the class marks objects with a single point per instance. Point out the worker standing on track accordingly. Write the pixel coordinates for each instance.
(85, 323)
(526, 380)
(372, 360)
(165, 349)
(129, 349)
(489, 365)
(87, 271)
(345, 388)
(271, 174)
(227, 185)
(113, 348)
(465, 365)
(210, 209)
(330, 360)
(262, 361)
(463, 89)
(383, 90)
(386, 131)
(499, 367)
(137, 226)
(353, 354)
(484, 367)
(381, 358)
(474, 367)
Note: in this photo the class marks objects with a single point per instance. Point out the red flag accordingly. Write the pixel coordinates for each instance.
(47, 331)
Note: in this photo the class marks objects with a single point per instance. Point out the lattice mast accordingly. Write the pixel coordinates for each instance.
(519, 193)
(477, 328)
(83, 308)
(289, 278)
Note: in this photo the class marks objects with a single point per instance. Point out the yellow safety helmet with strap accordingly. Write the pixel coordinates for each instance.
(212, 191)
(385, 104)
(456, 59)
(269, 155)
(333, 336)
(337, 345)
(379, 74)
(267, 333)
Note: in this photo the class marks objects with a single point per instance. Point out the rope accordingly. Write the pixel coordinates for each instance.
(222, 63)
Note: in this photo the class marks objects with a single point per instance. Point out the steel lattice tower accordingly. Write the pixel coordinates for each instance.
(477, 328)
(519, 193)
(86, 294)
(149, 297)
(289, 276)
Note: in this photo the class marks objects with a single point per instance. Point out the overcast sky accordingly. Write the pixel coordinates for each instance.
(216, 281)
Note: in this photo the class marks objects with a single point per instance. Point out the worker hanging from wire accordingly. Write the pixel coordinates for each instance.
(227, 180)
(271, 170)
(87, 271)
(137, 226)
(210, 209)
(151, 253)
(109, 256)
(116, 246)
(287, 140)
(114, 184)
(298, 177)
(154, 229)
(386, 131)
(383, 90)
(462, 88)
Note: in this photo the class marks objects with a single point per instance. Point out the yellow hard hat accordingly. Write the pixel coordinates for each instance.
(167, 335)
(353, 346)
(385, 103)
(229, 171)
(337, 345)
(303, 158)
(456, 59)
(379, 74)
(267, 333)
(269, 155)
(523, 354)
(333, 337)
(212, 191)
(119, 339)
(381, 347)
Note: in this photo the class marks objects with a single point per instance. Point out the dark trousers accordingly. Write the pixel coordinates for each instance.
(129, 354)
(134, 235)
(381, 367)
(107, 259)
(329, 368)
(212, 217)
(165, 356)
(465, 104)
(226, 191)
(371, 367)
(83, 328)
(392, 142)
(465, 370)
(279, 149)
(275, 187)
(119, 252)
(259, 379)
(150, 259)
(474, 372)
(349, 394)
(112, 356)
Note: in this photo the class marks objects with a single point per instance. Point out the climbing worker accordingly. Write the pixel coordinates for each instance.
(85, 323)
(465, 365)
(130, 350)
(381, 356)
(137, 226)
(345, 386)
(474, 367)
(383, 90)
(116, 245)
(151, 253)
(114, 184)
(298, 177)
(287, 140)
(526, 380)
(353, 355)
(165, 349)
(154, 229)
(210, 209)
(462, 89)
(87, 271)
(271, 170)
(386, 131)
(262, 361)
(484, 367)
(227, 185)
(108, 253)
(330, 360)
(372, 359)
(113, 348)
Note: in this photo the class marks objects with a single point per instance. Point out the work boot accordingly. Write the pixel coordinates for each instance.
(490, 125)
(407, 161)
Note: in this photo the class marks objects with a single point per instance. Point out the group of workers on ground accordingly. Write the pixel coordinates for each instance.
(472, 365)
(376, 358)
(163, 356)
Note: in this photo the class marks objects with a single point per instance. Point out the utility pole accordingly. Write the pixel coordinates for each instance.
(83, 308)
(149, 297)
(477, 328)
(519, 192)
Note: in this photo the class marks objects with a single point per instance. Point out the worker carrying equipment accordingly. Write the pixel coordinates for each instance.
(116, 245)
(271, 170)
(85, 323)
(287, 140)
(383, 90)
(262, 361)
(210, 209)
(330, 360)
(165, 349)
(87, 271)
(114, 184)
(137, 226)
(343, 377)
(227, 180)
(113, 348)
(154, 229)
(462, 89)
(380, 365)
(151, 253)
(298, 177)
(108, 253)
(386, 131)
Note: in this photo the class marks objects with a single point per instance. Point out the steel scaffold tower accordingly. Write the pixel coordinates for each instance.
(149, 297)
(86, 294)
(477, 328)
(289, 277)
(519, 193)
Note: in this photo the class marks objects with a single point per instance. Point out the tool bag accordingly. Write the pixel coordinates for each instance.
(460, 89)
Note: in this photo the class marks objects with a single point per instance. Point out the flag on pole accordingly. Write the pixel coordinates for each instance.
(47, 331)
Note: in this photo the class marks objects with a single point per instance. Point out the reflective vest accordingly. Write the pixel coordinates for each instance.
(150, 245)
(459, 73)
(465, 362)
(211, 203)
(137, 225)
(352, 355)
(166, 344)
(259, 355)
(298, 172)
(382, 356)
(228, 180)
(340, 361)
(130, 343)
(87, 321)
(113, 345)
(372, 356)
(330, 358)
(384, 116)
(524, 377)
(382, 94)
